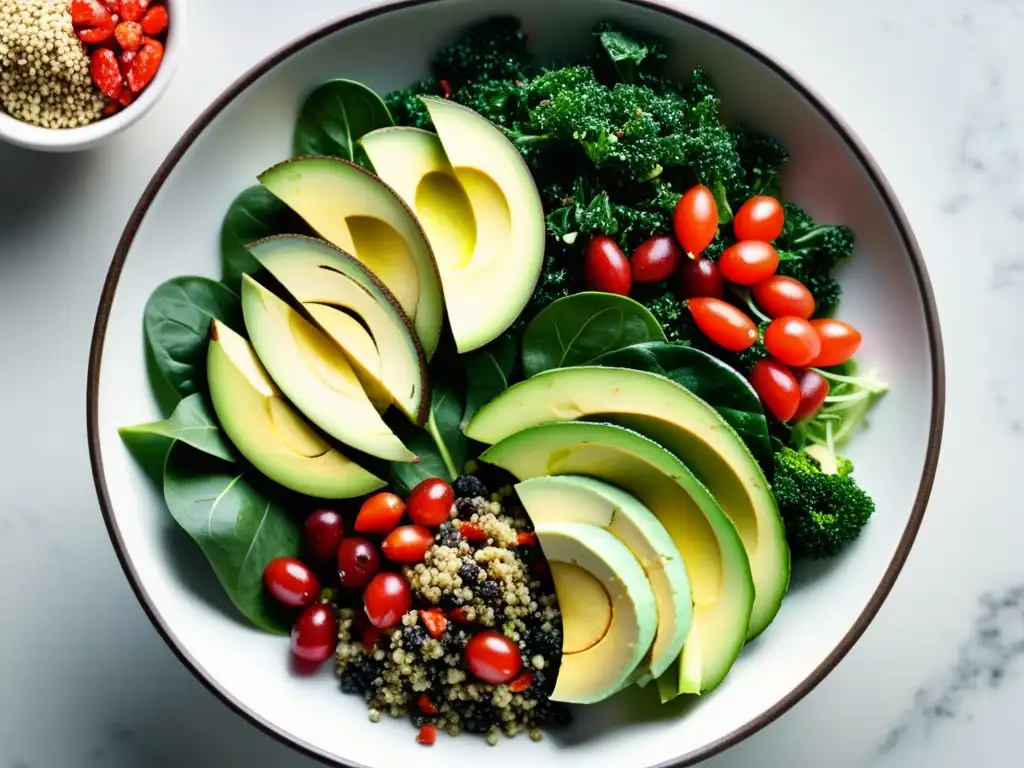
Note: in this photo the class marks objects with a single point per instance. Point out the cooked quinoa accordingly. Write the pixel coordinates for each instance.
(493, 583)
(44, 70)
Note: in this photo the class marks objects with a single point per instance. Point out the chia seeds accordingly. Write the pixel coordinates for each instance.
(492, 587)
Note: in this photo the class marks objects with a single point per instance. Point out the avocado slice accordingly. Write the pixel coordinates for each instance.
(609, 613)
(324, 279)
(478, 204)
(575, 499)
(271, 434)
(315, 375)
(354, 210)
(723, 591)
(686, 426)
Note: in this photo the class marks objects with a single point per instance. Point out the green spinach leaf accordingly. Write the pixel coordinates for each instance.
(239, 528)
(578, 328)
(489, 373)
(440, 445)
(254, 214)
(177, 325)
(714, 382)
(335, 116)
(192, 422)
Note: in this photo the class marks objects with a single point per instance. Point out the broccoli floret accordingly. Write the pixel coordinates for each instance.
(494, 49)
(407, 108)
(809, 251)
(822, 512)
(762, 158)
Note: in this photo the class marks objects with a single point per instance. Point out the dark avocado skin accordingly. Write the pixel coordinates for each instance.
(424, 409)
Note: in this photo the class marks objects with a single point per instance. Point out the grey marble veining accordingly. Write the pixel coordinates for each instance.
(935, 91)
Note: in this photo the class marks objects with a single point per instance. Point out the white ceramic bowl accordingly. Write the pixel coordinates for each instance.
(828, 607)
(88, 136)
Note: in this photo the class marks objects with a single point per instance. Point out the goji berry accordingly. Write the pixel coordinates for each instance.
(521, 683)
(459, 616)
(129, 35)
(126, 97)
(111, 108)
(104, 71)
(155, 21)
(125, 59)
(95, 35)
(446, 89)
(526, 539)
(370, 636)
(145, 65)
(426, 706)
(427, 735)
(89, 13)
(133, 10)
(472, 532)
(435, 621)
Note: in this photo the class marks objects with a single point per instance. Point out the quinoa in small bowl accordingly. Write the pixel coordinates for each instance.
(73, 72)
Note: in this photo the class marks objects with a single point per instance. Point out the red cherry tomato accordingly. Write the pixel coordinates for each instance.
(322, 534)
(695, 219)
(700, 278)
(779, 296)
(430, 502)
(386, 598)
(748, 262)
(839, 342)
(492, 657)
(723, 323)
(291, 582)
(605, 267)
(407, 544)
(655, 260)
(813, 391)
(777, 387)
(760, 218)
(358, 562)
(792, 340)
(379, 514)
(315, 634)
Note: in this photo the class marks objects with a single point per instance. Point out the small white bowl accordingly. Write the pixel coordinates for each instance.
(76, 139)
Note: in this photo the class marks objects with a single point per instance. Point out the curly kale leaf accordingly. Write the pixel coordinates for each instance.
(493, 49)
(407, 108)
(761, 158)
(627, 50)
(809, 251)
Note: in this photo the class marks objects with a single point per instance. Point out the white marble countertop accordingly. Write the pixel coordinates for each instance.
(932, 88)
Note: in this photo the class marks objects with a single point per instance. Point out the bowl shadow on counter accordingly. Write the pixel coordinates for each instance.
(34, 184)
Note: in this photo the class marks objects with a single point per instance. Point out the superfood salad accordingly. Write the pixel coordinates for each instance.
(69, 63)
(521, 386)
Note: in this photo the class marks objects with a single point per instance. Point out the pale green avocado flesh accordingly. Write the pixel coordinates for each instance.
(717, 566)
(575, 499)
(354, 210)
(325, 280)
(687, 427)
(271, 434)
(609, 614)
(481, 211)
(315, 375)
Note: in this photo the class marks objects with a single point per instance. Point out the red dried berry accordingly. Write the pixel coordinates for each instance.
(129, 35)
(89, 13)
(155, 21)
(428, 735)
(105, 73)
(95, 35)
(426, 706)
(133, 10)
(145, 65)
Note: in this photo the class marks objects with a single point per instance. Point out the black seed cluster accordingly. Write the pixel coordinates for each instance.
(469, 486)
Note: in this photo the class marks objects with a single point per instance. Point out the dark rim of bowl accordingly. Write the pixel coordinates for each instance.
(855, 145)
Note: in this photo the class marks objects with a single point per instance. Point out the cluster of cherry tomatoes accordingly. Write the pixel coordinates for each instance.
(379, 537)
(788, 387)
